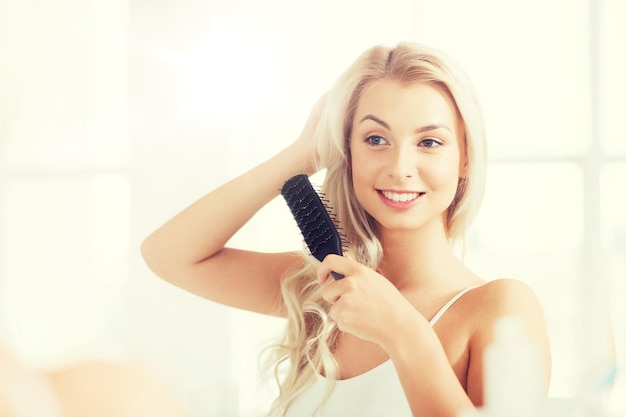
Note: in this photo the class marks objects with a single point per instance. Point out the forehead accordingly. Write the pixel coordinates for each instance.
(416, 102)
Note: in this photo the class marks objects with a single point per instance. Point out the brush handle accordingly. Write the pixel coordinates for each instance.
(336, 275)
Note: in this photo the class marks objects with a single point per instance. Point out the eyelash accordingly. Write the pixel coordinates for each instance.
(371, 137)
(433, 142)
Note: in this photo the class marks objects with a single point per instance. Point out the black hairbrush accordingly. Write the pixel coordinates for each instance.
(315, 222)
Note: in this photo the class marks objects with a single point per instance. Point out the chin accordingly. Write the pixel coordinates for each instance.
(399, 226)
(410, 224)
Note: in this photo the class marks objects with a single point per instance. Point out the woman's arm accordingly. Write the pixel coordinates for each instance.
(189, 251)
(499, 298)
(428, 379)
(426, 375)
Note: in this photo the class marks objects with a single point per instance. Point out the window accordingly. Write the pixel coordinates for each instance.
(65, 195)
(115, 116)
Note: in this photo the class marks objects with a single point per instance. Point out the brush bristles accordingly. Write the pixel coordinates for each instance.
(333, 216)
(314, 216)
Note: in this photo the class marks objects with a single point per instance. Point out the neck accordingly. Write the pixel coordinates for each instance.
(418, 258)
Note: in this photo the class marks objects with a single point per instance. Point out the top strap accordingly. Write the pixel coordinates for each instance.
(453, 300)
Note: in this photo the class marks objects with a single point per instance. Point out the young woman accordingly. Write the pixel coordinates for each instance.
(401, 138)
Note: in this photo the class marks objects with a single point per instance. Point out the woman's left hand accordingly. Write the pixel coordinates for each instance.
(364, 303)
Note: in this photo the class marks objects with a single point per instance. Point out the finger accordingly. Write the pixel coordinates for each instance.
(332, 313)
(331, 266)
(332, 293)
(323, 273)
(337, 266)
(335, 290)
(337, 313)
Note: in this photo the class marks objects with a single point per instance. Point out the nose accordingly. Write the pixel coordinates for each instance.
(403, 163)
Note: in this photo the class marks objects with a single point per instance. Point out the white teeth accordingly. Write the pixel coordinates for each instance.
(400, 197)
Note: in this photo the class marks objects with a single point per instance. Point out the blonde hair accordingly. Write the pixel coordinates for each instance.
(307, 345)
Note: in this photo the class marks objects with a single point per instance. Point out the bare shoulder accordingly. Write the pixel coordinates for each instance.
(492, 301)
(506, 296)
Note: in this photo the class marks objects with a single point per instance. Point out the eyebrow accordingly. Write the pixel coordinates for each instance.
(421, 129)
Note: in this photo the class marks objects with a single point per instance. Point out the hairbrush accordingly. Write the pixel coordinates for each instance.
(315, 222)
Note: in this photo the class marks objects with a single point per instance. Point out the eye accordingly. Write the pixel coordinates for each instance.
(430, 143)
(376, 140)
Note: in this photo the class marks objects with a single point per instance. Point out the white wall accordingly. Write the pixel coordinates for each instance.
(116, 114)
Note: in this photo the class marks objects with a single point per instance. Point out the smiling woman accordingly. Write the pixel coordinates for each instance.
(400, 122)
(116, 112)
(405, 152)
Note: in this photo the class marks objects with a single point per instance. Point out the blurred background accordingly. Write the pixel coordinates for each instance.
(116, 114)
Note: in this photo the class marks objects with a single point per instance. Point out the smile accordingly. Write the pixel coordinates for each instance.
(400, 197)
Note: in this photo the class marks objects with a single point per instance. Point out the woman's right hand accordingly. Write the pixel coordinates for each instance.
(305, 145)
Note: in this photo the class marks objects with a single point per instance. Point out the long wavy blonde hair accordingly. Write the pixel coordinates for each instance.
(307, 346)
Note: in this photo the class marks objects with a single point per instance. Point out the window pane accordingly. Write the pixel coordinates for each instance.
(612, 78)
(532, 206)
(530, 66)
(530, 228)
(64, 260)
(614, 232)
(63, 84)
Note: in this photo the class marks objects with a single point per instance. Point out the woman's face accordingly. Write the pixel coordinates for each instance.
(407, 153)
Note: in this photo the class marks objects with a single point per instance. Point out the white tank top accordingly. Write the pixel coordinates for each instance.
(375, 393)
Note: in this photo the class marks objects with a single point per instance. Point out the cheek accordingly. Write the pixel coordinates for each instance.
(442, 175)
(364, 175)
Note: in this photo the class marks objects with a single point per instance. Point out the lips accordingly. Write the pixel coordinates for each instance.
(400, 197)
